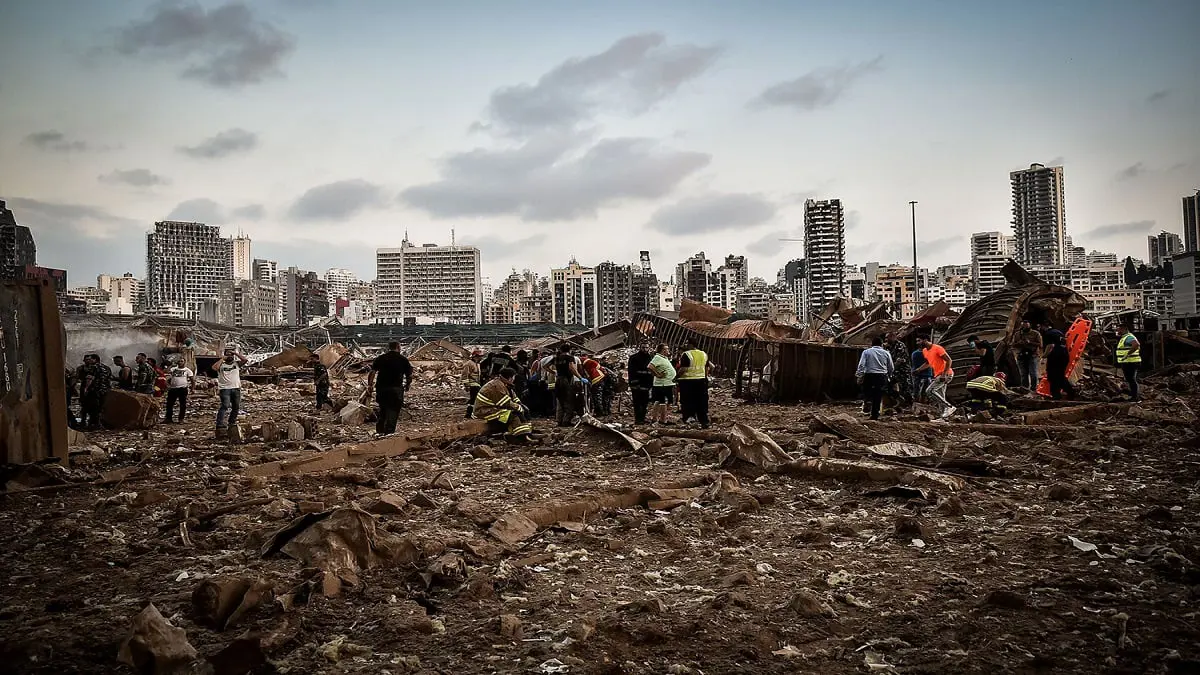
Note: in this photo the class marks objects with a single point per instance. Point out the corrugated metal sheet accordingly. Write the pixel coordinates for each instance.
(815, 372)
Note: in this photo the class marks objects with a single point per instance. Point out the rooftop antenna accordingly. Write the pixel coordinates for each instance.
(452, 237)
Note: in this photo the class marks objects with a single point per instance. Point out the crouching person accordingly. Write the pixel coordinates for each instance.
(497, 403)
(988, 394)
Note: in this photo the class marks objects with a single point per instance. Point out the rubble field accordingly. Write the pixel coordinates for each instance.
(903, 546)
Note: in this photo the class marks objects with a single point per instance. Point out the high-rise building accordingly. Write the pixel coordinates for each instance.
(126, 288)
(17, 250)
(645, 286)
(989, 253)
(615, 291)
(185, 262)
(429, 282)
(264, 270)
(1039, 214)
(824, 251)
(741, 269)
(240, 265)
(692, 277)
(1191, 223)
(247, 302)
(1163, 246)
(575, 295)
(305, 296)
(337, 281)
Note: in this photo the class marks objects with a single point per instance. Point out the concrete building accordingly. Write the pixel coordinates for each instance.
(824, 251)
(126, 288)
(575, 295)
(667, 298)
(1191, 223)
(724, 286)
(246, 302)
(264, 270)
(1100, 258)
(1183, 284)
(1039, 215)
(434, 282)
(955, 297)
(894, 284)
(740, 268)
(337, 281)
(1162, 247)
(305, 297)
(17, 249)
(96, 300)
(615, 284)
(185, 262)
(240, 264)
(1102, 302)
(692, 277)
(990, 251)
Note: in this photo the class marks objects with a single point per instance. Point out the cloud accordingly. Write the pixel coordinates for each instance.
(1132, 171)
(224, 47)
(770, 243)
(935, 247)
(52, 140)
(632, 75)
(225, 143)
(504, 248)
(1057, 161)
(334, 201)
(818, 88)
(204, 210)
(1158, 96)
(713, 213)
(68, 236)
(249, 212)
(1120, 229)
(548, 178)
(134, 177)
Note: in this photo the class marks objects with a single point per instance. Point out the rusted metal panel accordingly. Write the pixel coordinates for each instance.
(723, 353)
(815, 372)
(33, 396)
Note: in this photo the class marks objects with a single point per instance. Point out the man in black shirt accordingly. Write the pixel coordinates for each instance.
(394, 377)
(986, 353)
(1057, 359)
(568, 386)
(641, 381)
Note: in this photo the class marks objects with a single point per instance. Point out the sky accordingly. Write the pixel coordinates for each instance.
(546, 131)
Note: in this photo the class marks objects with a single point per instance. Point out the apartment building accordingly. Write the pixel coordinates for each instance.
(1039, 215)
(305, 296)
(126, 288)
(692, 277)
(240, 263)
(1103, 302)
(895, 284)
(1162, 247)
(264, 270)
(247, 302)
(824, 251)
(990, 251)
(575, 295)
(17, 249)
(337, 284)
(615, 290)
(428, 282)
(185, 263)
(1191, 223)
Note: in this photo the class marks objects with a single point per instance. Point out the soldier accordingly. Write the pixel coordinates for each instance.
(321, 379)
(143, 376)
(97, 382)
(900, 385)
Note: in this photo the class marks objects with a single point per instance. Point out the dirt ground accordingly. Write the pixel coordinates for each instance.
(1078, 555)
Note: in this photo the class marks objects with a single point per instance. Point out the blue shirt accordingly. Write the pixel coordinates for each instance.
(918, 360)
(875, 361)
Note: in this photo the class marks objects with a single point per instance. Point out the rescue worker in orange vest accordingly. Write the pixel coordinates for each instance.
(988, 394)
(498, 404)
(692, 379)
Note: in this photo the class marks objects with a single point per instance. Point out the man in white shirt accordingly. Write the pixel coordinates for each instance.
(180, 379)
(229, 386)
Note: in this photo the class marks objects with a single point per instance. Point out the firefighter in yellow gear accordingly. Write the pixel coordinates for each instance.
(498, 404)
(988, 393)
(470, 380)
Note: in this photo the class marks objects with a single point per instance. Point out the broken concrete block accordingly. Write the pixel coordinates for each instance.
(218, 602)
(475, 512)
(422, 500)
(311, 507)
(1061, 492)
(354, 414)
(280, 508)
(237, 434)
(483, 452)
(806, 603)
(127, 410)
(149, 498)
(295, 431)
(510, 627)
(388, 503)
(441, 482)
(270, 432)
(154, 646)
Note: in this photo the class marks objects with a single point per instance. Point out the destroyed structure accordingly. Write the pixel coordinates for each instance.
(791, 536)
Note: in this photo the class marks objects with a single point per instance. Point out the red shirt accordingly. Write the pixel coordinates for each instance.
(938, 359)
(592, 368)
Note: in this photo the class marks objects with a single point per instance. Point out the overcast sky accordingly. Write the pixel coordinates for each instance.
(545, 130)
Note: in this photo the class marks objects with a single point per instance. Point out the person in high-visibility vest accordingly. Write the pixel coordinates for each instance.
(1129, 358)
(988, 393)
(692, 378)
(498, 404)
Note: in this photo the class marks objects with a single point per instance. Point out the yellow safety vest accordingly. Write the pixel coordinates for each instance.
(985, 383)
(1125, 353)
(696, 368)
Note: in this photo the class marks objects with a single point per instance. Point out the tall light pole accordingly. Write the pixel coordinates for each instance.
(916, 274)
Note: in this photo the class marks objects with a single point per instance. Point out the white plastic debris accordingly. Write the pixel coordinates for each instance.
(918, 543)
(1084, 546)
(553, 666)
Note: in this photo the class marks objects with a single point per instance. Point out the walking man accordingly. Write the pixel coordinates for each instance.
(97, 381)
(939, 362)
(143, 376)
(641, 382)
(568, 385)
(1028, 345)
(693, 384)
(179, 383)
(1129, 358)
(321, 379)
(229, 386)
(390, 376)
(875, 370)
(900, 384)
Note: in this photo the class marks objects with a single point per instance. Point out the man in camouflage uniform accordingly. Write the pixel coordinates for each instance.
(143, 376)
(900, 384)
(97, 381)
(321, 379)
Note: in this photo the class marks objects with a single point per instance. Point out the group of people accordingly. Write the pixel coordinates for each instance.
(93, 379)
(886, 370)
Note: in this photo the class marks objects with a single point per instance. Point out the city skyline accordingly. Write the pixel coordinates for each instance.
(673, 129)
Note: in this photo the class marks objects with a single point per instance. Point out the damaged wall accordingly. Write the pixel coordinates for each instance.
(33, 397)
